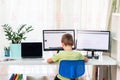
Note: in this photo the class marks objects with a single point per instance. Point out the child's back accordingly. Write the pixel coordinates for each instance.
(67, 54)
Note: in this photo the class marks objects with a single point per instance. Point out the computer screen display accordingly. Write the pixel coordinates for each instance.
(31, 49)
(52, 39)
(93, 40)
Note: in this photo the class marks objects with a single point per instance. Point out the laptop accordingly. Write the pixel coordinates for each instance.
(31, 49)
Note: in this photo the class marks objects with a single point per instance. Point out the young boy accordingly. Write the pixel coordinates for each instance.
(67, 54)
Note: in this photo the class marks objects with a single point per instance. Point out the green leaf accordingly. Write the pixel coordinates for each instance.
(20, 29)
(16, 37)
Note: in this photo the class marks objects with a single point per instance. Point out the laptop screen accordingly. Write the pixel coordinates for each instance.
(31, 49)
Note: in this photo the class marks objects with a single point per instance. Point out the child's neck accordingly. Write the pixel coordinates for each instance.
(67, 48)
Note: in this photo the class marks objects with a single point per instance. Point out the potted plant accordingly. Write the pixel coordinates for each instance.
(16, 37)
(19, 35)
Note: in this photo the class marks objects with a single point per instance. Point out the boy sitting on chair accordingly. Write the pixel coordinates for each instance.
(67, 54)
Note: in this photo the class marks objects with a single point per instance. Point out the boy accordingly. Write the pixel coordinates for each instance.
(67, 43)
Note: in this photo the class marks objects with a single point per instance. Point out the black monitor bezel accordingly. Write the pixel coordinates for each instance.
(103, 50)
(56, 49)
(32, 56)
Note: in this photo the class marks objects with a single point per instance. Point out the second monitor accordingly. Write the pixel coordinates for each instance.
(88, 40)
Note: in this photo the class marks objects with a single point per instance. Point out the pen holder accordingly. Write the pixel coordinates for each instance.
(7, 53)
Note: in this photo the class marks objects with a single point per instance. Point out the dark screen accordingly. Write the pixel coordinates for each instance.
(31, 49)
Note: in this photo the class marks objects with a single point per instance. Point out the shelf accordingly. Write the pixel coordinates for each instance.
(116, 14)
(115, 48)
(116, 38)
(115, 23)
(118, 64)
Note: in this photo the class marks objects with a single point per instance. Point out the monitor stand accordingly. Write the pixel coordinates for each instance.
(95, 56)
(92, 54)
(58, 51)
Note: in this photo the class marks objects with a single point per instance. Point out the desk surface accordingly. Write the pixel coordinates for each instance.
(106, 60)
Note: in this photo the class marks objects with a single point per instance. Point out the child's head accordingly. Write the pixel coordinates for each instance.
(67, 40)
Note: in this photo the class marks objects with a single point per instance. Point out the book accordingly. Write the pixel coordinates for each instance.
(20, 77)
(12, 76)
(15, 76)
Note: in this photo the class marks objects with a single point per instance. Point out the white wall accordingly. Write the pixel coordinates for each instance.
(46, 14)
(38, 13)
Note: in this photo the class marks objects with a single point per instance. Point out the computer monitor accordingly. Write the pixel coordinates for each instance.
(52, 39)
(31, 49)
(88, 40)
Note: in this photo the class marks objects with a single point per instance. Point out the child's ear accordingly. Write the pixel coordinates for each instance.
(62, 44)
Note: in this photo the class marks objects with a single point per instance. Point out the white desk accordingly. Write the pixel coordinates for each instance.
(106, 60)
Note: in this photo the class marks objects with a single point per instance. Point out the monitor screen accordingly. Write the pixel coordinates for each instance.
(93, 40)
(52, 39)
(31, 49)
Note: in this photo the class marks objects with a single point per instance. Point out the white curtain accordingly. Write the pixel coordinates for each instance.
(84, 14)
(38, 13)
(52, 14)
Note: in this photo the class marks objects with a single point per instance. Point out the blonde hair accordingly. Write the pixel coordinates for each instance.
(67, 39)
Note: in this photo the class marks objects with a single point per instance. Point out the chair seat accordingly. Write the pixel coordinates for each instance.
(72, 68)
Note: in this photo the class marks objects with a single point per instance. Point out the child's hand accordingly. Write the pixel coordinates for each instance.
(50, 60)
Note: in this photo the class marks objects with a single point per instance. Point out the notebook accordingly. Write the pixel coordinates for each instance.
(31, 49)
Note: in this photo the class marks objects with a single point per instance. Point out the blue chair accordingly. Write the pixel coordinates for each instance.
(72, 68)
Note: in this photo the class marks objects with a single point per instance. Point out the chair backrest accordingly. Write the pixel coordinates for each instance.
(72, 68)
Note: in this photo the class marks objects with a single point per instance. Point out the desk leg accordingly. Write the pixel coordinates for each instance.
(97, 72)
(94, 73)
(103, 72)
(100, 73)
(109, 73)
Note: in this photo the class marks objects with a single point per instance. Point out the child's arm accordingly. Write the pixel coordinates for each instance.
(86, 59)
